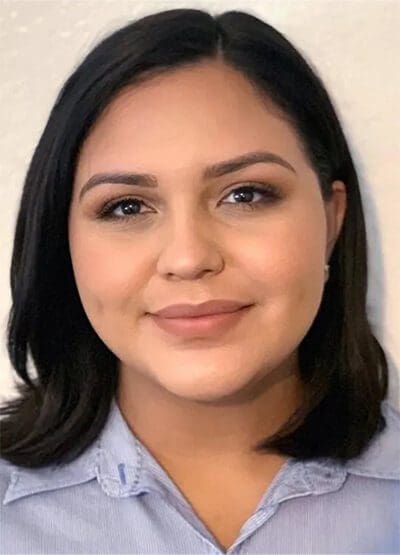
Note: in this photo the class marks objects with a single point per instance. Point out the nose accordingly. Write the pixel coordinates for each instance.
(189, 250)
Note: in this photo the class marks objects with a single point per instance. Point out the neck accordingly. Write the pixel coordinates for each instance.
(182, 430)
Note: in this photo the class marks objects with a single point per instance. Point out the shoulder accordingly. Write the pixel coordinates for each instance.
(381, 458)
(35, 502)
(372, 475)
(8, 475)
(18, 482)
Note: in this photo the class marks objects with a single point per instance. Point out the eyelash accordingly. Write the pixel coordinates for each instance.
(269, 193)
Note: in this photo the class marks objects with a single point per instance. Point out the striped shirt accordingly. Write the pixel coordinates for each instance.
(116, 498)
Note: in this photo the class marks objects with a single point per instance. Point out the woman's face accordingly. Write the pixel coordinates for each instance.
(192, 238)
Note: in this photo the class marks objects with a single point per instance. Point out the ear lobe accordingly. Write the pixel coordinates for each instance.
(335, 209)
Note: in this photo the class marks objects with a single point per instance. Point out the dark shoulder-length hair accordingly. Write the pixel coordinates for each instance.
(59, 412)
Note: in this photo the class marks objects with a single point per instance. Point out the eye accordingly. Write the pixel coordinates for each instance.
(268, 194)
(130, 207)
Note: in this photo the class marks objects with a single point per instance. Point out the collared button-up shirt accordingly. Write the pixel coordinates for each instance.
(116, 498)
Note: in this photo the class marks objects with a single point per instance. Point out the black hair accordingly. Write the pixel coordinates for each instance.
(60, 412)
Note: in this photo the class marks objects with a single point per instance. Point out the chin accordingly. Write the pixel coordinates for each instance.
(209, 390)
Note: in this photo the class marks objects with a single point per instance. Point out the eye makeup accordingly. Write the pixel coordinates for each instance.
(268, 193)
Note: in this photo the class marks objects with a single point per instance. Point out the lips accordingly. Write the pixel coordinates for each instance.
(218, 306)
(211, 325)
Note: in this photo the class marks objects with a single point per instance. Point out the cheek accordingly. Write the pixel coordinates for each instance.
(289, 251)
(286, 267)
(108, 276)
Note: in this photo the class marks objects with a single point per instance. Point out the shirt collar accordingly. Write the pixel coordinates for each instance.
(123, 466)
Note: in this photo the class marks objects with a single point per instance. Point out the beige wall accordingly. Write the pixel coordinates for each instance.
(355, 46)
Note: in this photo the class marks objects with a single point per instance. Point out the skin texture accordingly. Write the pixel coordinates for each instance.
(201, 402)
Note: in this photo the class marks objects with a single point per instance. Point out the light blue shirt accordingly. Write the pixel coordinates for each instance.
(116, 498)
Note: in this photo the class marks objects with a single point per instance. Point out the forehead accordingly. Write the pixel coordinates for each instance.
(192, 115)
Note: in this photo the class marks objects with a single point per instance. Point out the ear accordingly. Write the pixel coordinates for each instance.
(335, 209)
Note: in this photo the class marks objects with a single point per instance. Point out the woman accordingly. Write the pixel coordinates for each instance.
(195, 160)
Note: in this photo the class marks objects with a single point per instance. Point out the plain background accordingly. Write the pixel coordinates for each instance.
(353, 44)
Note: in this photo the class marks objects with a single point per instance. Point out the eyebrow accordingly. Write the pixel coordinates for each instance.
(214, 170)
